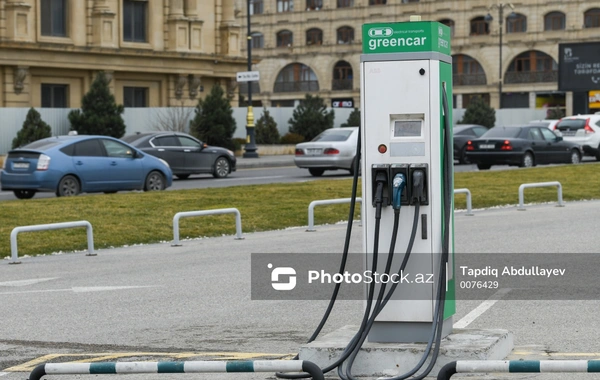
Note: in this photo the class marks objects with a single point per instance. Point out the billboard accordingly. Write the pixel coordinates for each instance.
(579, 66)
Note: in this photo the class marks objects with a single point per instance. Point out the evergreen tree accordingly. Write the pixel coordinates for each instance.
(33, 129)
(266, 129)
(353, 119)
(479, 113)
(311, 117)
(99, 114)
(214, 123)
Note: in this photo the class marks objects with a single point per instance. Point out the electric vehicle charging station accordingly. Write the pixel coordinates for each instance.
(406, 68)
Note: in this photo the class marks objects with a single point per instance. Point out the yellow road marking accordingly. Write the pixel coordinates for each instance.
(112, 356)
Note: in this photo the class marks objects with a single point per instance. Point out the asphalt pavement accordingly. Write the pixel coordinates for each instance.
(265, 161)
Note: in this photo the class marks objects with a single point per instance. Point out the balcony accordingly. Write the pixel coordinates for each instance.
(341, 84)
(304, 86)
(531, 77)
(468, 79)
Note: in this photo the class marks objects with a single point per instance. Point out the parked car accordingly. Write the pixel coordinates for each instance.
(548, 123)
(185, 154)
(69, 165)
(524, 146)
(332, 149)
(462, 134)
(583, 130)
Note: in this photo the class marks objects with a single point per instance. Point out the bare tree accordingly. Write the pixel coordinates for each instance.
(174, 119)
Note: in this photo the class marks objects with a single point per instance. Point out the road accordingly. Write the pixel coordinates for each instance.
(261, 176)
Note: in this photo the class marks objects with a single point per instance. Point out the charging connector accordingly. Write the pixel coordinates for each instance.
(380, 177)
(398, 186)
(418, 180)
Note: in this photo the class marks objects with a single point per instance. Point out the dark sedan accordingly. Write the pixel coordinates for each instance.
(462, 134)
(523, 146)
(185, 154)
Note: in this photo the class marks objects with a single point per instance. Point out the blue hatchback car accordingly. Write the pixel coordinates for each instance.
(69, 165)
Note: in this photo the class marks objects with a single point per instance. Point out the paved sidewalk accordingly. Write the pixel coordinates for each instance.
(265, 161)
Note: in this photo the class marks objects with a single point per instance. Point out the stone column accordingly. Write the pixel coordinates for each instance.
(104, 25)
(19, 23)
(230, 31)
(191, 8)
(179, 27)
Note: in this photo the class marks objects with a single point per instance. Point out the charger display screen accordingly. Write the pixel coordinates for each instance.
(407, 128)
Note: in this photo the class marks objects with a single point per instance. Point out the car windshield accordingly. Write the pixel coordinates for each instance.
(132, 138)
(41, 145)
(502, 132)
(333, 135)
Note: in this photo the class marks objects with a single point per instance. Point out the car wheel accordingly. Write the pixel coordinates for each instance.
(463, 157)
(483, 166)
(24, 194)
(575, 157)
(316, 172)
(154, 182)
(182, 176)
(68, 187)
(352, 167)
(221, 168)
(527, 161)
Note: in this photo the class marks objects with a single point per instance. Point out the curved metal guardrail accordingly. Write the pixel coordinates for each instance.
(187, 214)
(518, 366)
(311, 209)
(468, 192)
(539, 184)
(176, 367)
(14, 255)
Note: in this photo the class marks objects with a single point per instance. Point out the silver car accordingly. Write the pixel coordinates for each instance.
(333, 149)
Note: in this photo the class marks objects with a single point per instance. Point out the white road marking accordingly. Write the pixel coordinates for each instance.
(26, 282)
(482, 308)
(80, 289)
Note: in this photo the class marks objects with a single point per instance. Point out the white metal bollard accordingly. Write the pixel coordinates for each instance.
(539, 184)
(187, 214)
(311, 209)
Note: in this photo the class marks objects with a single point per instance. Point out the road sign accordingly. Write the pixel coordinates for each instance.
(248, 76)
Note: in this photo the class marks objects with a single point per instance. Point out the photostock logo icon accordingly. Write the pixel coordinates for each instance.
(282, 271)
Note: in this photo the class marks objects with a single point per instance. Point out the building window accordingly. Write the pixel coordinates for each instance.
(516, 24)
(449, 23)
(345, 3)
(592, 18)
(314, 5)
(135, 96)
(314, 37)
(554, 21)
(256, 7)
(258, 41)
(532, 67)
(54, 95)
(479, 27)
(285, 5)
(377, 2)
(342, 76)
(285, 38)
(466, 71)
(54, 18)
(296, 77)
(345, 35)
(135, 14)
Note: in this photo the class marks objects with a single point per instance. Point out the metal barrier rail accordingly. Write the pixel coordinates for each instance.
(187, 214)
(465, 191)
(52, 226)
(539, 184)
(311, 209)
(176, 367)
(518, 366)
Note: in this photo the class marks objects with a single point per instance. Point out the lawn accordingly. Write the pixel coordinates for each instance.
(135, 218)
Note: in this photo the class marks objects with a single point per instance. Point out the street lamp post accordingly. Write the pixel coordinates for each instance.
(250, 147)
(488, 18)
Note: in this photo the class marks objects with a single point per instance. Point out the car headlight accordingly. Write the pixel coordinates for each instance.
(230, 152)
(164, 162)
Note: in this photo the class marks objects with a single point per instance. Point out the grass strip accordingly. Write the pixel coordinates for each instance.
(141, 218)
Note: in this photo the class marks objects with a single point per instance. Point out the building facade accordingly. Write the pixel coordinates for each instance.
(302, 46)
(156, 53)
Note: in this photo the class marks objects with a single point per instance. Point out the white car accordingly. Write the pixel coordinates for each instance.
(548, 123)
(332, 149)
(583, 130)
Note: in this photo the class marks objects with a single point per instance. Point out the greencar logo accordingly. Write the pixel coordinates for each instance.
(381, 31)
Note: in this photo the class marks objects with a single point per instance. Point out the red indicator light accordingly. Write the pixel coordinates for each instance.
(382, 148)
